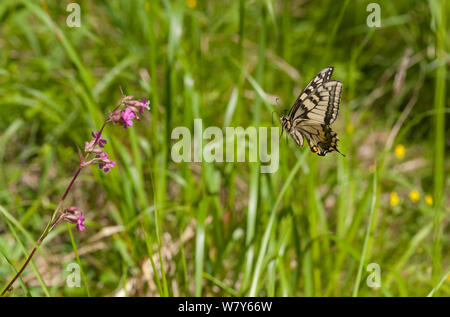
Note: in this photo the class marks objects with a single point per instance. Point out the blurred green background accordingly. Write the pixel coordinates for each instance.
(158, 228)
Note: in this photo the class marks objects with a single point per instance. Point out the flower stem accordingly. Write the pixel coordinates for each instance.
(71, 183)
(21, 270)
(53, 221)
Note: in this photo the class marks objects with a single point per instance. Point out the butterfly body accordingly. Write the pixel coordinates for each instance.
(315, 109)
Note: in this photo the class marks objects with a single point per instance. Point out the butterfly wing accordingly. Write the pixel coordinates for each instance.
(297, 136)
(322, 105)
(299, 107)
(321, 138)
(315, 109)
(333, 92)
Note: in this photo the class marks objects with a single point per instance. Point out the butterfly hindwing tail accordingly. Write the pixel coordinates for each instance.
(322, 139)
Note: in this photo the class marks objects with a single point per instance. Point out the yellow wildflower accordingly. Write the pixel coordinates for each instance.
(393, 199)
(350, 128)
(399, 151)
(429, 200)
(414, 196)
(191, 3)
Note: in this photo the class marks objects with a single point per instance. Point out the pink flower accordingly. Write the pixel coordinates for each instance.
(89, 146)
(138, 105)
(133, 108)
(101, 159)
(144, 104)
(73, 215)
(108, 165)
(101, 142)
(80, 223)
(127, 115)
(104, 162)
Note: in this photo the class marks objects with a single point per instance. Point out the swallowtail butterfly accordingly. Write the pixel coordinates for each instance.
(314, 110)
